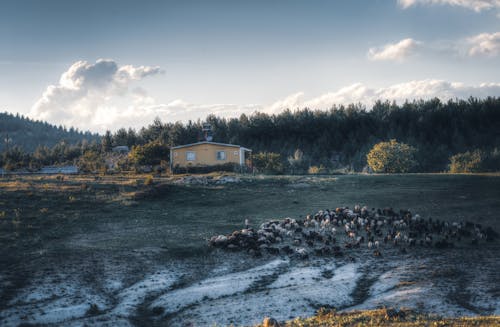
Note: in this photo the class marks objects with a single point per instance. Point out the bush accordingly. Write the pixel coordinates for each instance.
(268, 163)
(91, 161)
(152, 153)
(467, 162)
(475, 161)
(149, 180)
(315, 170)
(229, 167)
(391, 157)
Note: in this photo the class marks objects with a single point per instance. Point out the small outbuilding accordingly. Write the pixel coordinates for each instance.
(121, 149)
(207, 153)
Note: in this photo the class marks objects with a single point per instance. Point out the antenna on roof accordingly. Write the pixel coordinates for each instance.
(207, 132)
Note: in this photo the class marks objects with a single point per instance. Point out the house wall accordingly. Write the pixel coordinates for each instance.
(206, 155)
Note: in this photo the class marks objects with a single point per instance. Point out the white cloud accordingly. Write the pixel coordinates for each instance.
(476, 5)
(484, 44)
(420, 89)
(293, 101)
(103, 95)
(394, 51)
(91, 93)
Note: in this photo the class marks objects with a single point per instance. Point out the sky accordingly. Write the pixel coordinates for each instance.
(100, 65)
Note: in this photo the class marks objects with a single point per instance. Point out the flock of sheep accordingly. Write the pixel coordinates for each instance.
(334, 232)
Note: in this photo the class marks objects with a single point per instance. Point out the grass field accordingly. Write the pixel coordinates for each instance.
(46, 209)
(52, 224)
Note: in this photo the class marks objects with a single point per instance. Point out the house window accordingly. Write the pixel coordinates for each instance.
(190, 156)
(235, 153)
(221, 155)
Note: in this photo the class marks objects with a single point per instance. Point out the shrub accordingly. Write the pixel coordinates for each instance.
(467, 162)
(229, 167)
(91, 161)
(151, 153)
(268, 162)
(315, 170)
(391, 157)
(149, 180)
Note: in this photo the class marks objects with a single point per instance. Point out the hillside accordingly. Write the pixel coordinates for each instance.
(29, 134)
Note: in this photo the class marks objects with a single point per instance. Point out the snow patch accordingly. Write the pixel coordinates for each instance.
(287, 297)
(215, 287)
(134, 295)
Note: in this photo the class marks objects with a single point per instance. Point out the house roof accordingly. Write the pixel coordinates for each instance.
(214, 143)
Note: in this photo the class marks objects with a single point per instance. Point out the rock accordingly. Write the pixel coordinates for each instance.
(270, 322)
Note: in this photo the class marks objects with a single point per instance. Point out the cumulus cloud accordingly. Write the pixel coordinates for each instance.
(293, 101)
(92, 93)
(104, 95)
(420, 89)
(395, 51)
(476, 5)
(484, 44)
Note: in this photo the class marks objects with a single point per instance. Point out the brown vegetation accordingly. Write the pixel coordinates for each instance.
(387, 317)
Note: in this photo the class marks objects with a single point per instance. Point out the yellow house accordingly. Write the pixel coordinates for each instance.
(203, 154)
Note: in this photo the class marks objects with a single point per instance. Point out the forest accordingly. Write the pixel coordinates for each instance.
(28, 134)
(337, 138)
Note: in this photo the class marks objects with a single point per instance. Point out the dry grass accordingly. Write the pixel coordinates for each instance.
(387, 317)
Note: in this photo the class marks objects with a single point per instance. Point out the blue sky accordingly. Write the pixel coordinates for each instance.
(182, 60)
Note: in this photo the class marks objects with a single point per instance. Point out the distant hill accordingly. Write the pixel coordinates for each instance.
(29, 134)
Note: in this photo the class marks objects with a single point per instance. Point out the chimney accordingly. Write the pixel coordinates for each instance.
(207, 132)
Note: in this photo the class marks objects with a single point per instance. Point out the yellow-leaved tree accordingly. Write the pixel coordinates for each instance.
(391, 157)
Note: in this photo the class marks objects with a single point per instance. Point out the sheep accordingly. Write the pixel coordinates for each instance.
(301, 253)
(359, 224)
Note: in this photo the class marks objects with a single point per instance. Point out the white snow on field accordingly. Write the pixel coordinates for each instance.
(391, 291)
(63, 298)
(309, 285)
(300, 291)
(280, 288)
(134, 295)
(215, 287)
(51, 301)
(482, 296)
(45, 289)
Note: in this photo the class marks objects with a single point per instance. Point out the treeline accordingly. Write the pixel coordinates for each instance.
(28, 134)
(62, 153)
(339, 138)
(343, 135)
